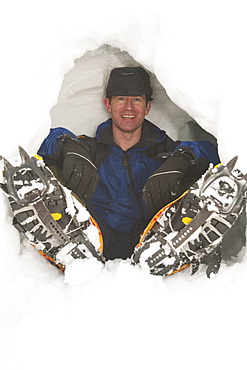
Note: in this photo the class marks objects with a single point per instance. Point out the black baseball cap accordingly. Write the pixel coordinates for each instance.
(129, 81)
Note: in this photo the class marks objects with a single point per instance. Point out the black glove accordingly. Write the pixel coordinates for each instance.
(168, 182)
(79, 172)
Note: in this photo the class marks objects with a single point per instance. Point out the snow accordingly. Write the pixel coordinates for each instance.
(120, 316)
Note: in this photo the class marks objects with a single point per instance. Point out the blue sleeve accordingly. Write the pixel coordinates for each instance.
(49, 144)
(203, 149)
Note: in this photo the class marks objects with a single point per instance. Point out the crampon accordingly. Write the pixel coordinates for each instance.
(56, 223)
(184, 232)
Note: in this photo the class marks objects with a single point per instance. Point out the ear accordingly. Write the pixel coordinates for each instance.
(107, 104)
(148, 107)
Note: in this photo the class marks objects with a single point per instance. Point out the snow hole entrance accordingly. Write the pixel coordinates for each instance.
(80, 109)
(80, 105)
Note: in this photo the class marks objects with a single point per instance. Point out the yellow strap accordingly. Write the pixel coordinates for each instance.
(56, 216)
(186, 220)
(38, 157)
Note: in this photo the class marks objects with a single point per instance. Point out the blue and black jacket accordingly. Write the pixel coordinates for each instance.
(123, 174)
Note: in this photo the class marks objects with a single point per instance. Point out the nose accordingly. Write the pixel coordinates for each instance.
(128, 103)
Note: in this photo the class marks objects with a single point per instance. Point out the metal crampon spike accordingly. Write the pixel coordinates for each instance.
(231, 164)
(7, 165)
(23, 154)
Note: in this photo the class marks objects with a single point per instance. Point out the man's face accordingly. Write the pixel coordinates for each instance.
(128, 112)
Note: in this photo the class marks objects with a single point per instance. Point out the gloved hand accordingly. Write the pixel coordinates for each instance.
(167, 182)
(79, 172)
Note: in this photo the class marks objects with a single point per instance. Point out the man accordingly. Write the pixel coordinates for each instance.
(131, 168)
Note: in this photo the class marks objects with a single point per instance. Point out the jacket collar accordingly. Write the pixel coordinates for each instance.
(151, 134)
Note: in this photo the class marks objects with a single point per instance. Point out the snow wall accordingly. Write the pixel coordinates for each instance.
(55, 59)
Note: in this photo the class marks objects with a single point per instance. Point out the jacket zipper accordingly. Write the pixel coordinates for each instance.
(127, 165)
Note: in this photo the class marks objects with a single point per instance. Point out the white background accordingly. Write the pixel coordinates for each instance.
(121, 317)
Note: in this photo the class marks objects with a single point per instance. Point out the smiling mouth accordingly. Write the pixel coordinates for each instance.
(128, 116)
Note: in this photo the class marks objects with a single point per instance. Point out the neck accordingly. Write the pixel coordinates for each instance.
(126, 139)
